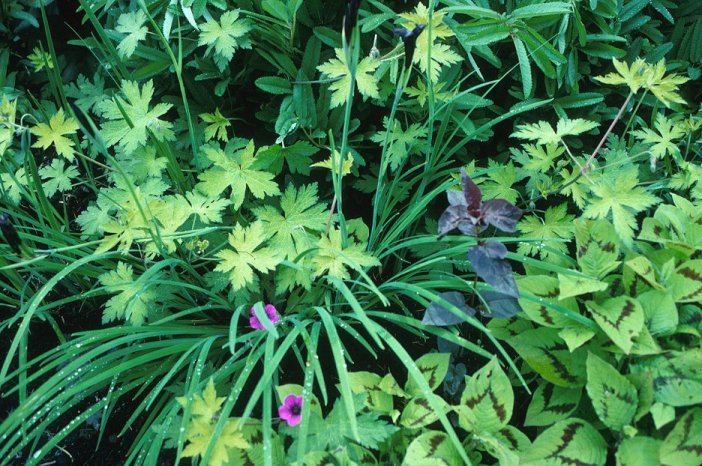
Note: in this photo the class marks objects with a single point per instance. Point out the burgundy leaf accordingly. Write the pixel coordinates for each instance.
(501, 214)
(471, 191)
(452, 217)
(456, 198)
(487, 261)
(500, 305)
(440, 316)
(467, 227)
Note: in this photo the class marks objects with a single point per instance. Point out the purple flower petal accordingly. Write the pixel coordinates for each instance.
(291, 410)
(271, 312)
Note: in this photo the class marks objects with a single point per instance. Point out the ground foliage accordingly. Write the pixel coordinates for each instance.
(171, 167)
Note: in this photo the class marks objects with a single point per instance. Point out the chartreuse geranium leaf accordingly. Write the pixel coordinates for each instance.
(686, 282)
(135, 298)
(543, 133)
(430, 449)
(683, 445)
(619, 199)
(296, 228)
(642, 75)
(225, 36)
(621, 318)
(246, 255)
(131, 132)
(542, 236)
(54, 134)
(433, 367)
(551, 403)
(487, 401)
(568, 442)
(131, 24)
(56, 177)
(202, 428)
(338, 69)
(298, 157)
(613, 396)
(547, 354)
(332, 163)
(441, 54)
(333, 258)
(401, 143)
(638, 451)
(664, 141)
(237, 170)
(217, 125)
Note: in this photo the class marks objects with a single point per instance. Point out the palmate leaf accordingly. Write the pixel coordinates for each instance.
(56, 177)
(54, 134)
(641, 75)
(441, 54)
(620, 200)
(131, 24)
(201, 429)
(136, 298)
(338, 69)
(295, 228)
(543, 133)
(334, 259)
(238, 171)
(87, 94)
(541, 236)
(217, 125)
(204, 406)
(402, 143)
(246, 255)
(131, 134)
(225, 36)
(663, 141)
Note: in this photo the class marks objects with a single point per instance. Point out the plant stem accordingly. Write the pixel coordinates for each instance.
(584, 170)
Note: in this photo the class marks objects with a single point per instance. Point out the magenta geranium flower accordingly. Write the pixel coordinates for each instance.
(291, 410)
(271, 312)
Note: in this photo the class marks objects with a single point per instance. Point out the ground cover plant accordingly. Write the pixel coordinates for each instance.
(360, 232)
